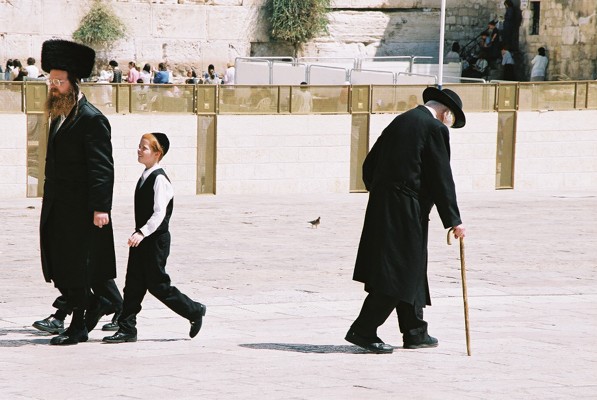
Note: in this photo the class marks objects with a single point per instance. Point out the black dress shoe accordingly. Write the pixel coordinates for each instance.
(113, 325)
(197, 322)
(93, 315)
(50, 325)
(419, 341)
(120, 337)
(70, 336)
(110, 326)
(375, 346)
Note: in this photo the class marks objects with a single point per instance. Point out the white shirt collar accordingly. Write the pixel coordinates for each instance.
(432, 111)
(148, 171)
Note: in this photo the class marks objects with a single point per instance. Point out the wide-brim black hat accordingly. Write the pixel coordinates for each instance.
(448, 98)
(64, 55)
(162, 140)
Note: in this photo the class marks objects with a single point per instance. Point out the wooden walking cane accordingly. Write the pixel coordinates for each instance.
(464, 294)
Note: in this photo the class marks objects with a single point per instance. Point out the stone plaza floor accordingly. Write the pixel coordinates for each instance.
(280, 299)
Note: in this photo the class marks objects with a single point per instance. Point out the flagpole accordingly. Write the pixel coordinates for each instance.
(442, 28)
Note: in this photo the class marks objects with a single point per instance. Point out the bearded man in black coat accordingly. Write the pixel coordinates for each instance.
(77, 241)
(406, 172)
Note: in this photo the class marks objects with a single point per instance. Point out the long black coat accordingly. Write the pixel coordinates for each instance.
(406, 172)
(79, 180)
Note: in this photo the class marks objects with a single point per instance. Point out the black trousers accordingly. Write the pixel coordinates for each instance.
(146, 272)
(107, 289)
(376, 310)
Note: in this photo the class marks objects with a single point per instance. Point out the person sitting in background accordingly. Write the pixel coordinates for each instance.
(145, 73)
(32, 70)
(211, 76)
(539, 66)
(8, 69)
(191, 77)
(230, 74)
(133, 73)
(22, 75)
(116, 72)
(161, 75)
(478, 70)
(453, 55)
(16, 69)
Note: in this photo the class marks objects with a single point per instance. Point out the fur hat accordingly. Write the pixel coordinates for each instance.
(162, 140)
(449, 99)
(64, 55)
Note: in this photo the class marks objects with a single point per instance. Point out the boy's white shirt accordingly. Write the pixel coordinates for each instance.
(163, 193)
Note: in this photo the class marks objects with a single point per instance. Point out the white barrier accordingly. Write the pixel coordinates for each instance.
(252, 72)
(288, 74)
(326, 75)
(366, 77)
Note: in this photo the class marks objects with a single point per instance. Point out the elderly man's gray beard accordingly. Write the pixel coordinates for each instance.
(60, 104)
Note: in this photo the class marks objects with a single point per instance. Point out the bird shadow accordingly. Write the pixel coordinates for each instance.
(306, 348)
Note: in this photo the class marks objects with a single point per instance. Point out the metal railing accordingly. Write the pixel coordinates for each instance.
(29, 97)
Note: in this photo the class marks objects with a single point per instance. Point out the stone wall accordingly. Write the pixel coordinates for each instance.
(200, 32)
(568, 31)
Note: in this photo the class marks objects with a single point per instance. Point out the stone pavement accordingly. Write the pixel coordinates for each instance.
(280, 299)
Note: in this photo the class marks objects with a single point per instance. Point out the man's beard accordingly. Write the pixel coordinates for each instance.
(60, 104)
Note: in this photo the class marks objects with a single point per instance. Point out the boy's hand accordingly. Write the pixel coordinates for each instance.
(135, 239)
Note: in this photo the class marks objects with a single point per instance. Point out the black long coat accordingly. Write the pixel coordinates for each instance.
(79, 180)
(406, 172)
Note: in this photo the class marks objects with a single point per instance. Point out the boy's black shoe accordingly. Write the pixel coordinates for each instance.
(113, 325)
(197, 322)
(120, 337)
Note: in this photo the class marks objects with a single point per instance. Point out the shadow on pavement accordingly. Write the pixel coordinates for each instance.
(306, 348)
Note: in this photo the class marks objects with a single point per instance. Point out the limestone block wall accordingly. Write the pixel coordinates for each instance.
(196, 33)
(183, 33)
(13, 156)
(283, 154)
(568, 31)
(556, 150)
(368, 28)
(473, 149)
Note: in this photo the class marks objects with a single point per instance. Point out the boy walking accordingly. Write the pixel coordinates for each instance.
(150, 246)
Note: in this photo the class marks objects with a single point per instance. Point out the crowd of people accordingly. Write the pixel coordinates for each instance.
(495, 48)
(111, 73)
(163, 74)
(15, 71)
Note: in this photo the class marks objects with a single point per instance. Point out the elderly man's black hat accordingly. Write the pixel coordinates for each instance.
(448, 98)
(64, 55)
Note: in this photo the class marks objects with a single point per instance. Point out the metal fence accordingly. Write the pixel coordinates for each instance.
(29, 97)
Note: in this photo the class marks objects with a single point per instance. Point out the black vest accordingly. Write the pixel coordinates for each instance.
(144, 197)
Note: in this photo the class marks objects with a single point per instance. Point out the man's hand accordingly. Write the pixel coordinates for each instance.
(135, 239)
(100, 218)
(459, 231)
